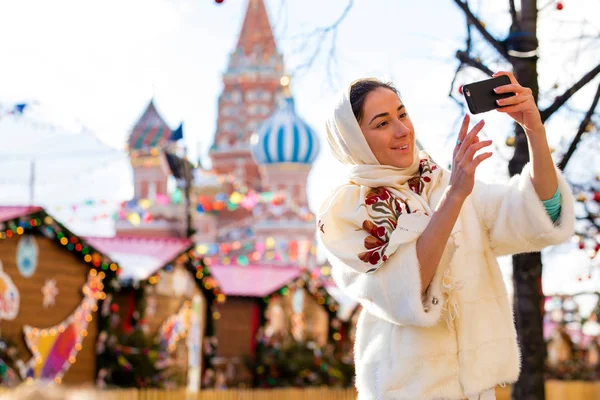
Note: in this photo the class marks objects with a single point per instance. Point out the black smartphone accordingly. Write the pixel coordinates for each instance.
(480, 96)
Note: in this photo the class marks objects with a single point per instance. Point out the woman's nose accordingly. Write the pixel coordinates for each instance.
(400, 130)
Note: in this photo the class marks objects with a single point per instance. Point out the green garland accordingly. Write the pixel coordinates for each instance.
(320, 294)
(302, 364)
(299, 365)
(134, 359)
(10, 361)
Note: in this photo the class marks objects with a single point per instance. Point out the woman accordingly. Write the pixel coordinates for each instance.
(416, 245)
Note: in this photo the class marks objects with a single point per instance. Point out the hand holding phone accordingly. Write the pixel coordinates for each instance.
(480, 96)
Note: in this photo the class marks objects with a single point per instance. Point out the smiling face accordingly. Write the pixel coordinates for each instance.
(388, 128)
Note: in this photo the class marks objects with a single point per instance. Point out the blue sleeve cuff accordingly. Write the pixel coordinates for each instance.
(553, 205)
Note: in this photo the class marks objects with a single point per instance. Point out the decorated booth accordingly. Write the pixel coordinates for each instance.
(52, 283)
(159, 330)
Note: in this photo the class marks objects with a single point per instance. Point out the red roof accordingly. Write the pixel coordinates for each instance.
(10, 212)
(256, 33)
(150, 130)
(140, 257)
(253, 280)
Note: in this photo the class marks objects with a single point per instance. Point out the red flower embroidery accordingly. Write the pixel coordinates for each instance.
(371, 257)
(383, 210)
(377, 194)
(415, 184)
(371, 242)
(377, 231)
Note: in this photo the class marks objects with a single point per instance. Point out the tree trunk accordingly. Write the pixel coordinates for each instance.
(527, 268)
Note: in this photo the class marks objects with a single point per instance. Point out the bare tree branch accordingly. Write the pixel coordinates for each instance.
(475, 63)
(321, 34)
(451, 93)
(582, 129)
(563, 98)
(574, 38)
(549, 3)
(477, 24)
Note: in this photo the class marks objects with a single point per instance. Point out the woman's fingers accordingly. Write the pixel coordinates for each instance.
(509, 101)
(512, 88)
(469, 139)
(509, 74)
(479, 159)
(512, 109)
(462, 132)
(474, 148)
(464, 128)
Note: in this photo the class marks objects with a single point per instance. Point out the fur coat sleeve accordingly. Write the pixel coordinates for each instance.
(515, 218)
(375, 262)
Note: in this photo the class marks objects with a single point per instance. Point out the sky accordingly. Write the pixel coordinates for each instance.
(90, 68)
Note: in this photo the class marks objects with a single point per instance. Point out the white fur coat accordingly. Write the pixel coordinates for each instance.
(460, 339)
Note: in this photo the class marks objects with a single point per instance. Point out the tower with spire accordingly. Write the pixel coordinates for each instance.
(262, 149)
(251, 89)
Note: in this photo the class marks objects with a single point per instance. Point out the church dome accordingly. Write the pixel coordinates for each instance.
(285, 138)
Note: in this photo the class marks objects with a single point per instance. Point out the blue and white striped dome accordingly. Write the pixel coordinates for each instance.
(285, 138)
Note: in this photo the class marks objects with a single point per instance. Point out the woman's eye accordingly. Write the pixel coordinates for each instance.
(381, 124)
(403, 115)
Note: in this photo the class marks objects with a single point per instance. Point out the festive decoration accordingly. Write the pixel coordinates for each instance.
(9, 297)
(587, 227)
(175, 327)
(14, 109)
(27, 255)
(572, 352)
(55, 349)
(204, 278)
(40, 220)
(140, 359)
(49, 291)
(242, 252)
(137, 359)
(311, 281)
(299, 365)
(559, 6)
(141, 210)
(11, 365)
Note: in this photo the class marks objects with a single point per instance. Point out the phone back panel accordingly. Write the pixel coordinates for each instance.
(480, 96)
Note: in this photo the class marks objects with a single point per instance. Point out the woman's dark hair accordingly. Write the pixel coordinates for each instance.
(359, 91)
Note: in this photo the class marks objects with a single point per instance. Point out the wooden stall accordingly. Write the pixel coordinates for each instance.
(268, 305)
(51, 285)
(162, 315)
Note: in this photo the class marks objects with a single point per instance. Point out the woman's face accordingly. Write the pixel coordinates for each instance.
(388, 128)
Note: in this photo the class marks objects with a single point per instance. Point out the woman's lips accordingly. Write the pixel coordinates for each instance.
(403, 148)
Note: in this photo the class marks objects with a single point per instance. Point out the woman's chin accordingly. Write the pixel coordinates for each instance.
(404, 162)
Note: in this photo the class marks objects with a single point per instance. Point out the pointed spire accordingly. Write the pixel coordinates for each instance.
(256, 34)
(149, 131)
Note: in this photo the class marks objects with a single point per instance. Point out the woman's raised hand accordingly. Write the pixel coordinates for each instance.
(464, 163)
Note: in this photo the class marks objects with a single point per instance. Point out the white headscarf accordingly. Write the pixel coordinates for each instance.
(348, 144)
